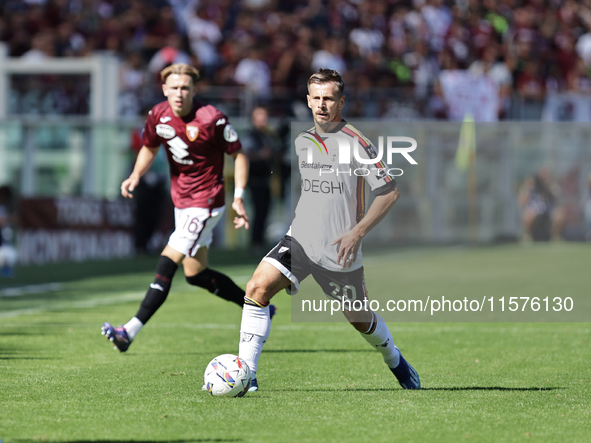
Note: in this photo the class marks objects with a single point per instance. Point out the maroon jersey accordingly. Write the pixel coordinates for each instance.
(195, 145)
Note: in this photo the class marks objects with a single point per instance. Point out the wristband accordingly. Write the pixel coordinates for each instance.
(238, 192)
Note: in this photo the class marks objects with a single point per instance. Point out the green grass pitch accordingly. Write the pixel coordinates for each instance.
(61, 381)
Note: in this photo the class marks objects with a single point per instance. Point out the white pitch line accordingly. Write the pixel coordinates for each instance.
(30, 289)
(90, 303)
(299, 326)
(346, 327)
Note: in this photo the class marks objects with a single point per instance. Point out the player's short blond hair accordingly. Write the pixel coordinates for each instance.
(328, 76)
(180, 69)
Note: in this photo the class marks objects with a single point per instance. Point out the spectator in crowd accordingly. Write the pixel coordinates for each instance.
(42, 47)
(399, 45)
(330, 56)
(438, 18)
(497, 70)
(262, 147)
(579, 79)
(180, 9)
(69, 42)
(254, 74)
(159, 27)
(111, 35)
(204, 35)
(583, 46)
(132, 80)
(366, 37)
(424, 68)
(294, 65)
(530, 84)
(170, 54)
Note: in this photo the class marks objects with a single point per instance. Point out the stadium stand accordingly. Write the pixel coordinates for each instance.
(391, 53)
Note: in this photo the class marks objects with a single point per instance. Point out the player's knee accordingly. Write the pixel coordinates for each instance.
(360, 320)
(258, 290)
(165, 270)
(205, 279)
(361, 326)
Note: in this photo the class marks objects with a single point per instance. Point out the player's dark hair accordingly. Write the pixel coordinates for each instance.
(180, 69)
(328, 76)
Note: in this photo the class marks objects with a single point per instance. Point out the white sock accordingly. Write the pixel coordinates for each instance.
(132, 327)
(381, 339)
(254, 332)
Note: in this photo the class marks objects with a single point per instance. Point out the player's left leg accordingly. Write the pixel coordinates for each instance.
(377, 334)
(195, 234)
(370, 325)
(199, 274)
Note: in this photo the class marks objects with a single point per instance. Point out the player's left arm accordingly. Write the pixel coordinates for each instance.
(350, 242)
(240, 180)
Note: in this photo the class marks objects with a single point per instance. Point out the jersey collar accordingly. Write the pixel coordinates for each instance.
(337, 128)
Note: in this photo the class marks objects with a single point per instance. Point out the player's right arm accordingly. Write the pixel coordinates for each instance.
(144, 160)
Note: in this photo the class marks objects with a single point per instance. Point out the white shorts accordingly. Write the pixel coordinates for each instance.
(193, 229)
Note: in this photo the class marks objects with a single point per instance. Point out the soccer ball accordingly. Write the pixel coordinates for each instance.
(227, 375)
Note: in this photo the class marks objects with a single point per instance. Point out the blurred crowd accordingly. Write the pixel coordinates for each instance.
(270, 47)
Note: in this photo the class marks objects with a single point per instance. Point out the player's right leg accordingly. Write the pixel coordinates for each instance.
(256, 322)
(281, 268)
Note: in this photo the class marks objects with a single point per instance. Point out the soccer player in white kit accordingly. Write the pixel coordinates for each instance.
(326, 233)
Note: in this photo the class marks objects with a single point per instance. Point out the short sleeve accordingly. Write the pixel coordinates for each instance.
(149, 136)
(225, 134)
(378, 178)
(301, 147)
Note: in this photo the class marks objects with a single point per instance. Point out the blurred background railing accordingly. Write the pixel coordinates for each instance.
(436, 194)
(76, 83)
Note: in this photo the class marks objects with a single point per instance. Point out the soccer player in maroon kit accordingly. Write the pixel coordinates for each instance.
(196, 137)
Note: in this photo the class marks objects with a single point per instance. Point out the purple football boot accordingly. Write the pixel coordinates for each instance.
(118, 336)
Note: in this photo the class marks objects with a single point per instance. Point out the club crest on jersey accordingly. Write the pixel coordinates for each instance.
(192, 132)
(333, 155)
(165, 131)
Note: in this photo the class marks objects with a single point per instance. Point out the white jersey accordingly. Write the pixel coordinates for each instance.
(333, 195)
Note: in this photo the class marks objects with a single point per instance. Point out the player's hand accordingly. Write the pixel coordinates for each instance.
(347, 246)
(129, 185)
(241, 219)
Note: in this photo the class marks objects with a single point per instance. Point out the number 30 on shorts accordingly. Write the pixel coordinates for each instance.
(347, 292)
